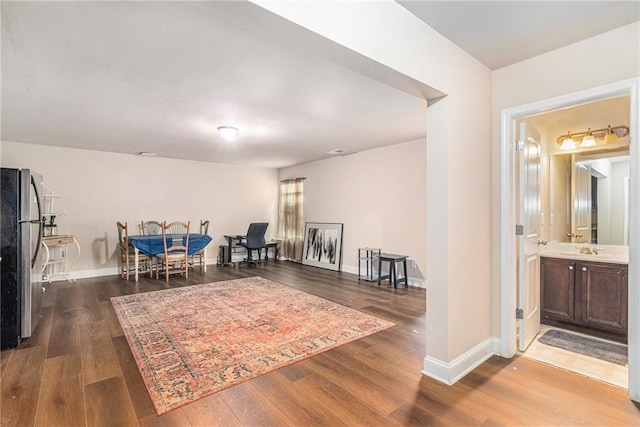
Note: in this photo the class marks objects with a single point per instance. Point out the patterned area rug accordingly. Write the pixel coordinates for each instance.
(194, 341)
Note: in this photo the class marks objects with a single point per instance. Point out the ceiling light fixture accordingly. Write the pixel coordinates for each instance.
(590, 138)
(228, 132)
(336, 151)
(147, 154)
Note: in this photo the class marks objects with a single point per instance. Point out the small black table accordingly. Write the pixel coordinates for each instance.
(392, 259)
(225, 252)
(275, 244)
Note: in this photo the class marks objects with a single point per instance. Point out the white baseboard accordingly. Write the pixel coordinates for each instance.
(113, 271)
(451, 372)
(497, 346)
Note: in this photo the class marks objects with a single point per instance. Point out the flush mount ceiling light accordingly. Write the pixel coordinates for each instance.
(147, 154)
(228, 132)
(591, 138)
(336, 151)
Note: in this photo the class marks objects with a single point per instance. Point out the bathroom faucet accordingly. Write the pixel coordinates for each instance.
(590, 250)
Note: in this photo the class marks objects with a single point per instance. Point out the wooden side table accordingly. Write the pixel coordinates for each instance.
(392, 259)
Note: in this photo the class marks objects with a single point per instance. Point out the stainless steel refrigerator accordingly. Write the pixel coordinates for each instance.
(21, 232)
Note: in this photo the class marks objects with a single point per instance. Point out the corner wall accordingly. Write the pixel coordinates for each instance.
(101, 188)
(541, 78)
(528, 86)
(458, 229)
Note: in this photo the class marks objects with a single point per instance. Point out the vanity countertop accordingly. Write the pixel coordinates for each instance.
(611, 254)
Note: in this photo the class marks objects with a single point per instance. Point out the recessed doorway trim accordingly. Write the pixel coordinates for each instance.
(507, 242)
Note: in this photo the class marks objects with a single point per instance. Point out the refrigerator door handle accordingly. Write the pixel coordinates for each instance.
(39, 221)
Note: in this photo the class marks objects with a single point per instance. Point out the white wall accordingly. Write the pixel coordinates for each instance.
(458, 227)
(380, 197)
(544, 77)
(101, 188)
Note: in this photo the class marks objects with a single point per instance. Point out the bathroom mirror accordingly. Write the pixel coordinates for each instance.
(589, 197)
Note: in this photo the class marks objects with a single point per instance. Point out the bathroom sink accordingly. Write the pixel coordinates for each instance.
(614, 255)
(577, 253)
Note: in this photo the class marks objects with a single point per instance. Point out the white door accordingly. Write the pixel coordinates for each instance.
(529, 218)
(581, 182)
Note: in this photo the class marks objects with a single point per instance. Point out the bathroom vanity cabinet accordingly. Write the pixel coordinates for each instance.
(586, 296)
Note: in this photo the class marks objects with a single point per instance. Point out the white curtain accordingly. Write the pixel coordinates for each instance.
(291, 218)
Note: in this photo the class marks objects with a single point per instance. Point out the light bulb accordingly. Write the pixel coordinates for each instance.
(610, 137)
(588, 140)
(568, 144)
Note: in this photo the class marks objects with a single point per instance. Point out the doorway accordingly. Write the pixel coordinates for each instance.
(508, 241)
(564, 207)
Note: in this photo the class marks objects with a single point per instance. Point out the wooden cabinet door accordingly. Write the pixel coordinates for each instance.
(604, 296)
(557, 289)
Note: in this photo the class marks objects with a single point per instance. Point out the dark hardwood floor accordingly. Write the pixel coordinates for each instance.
(78, 370)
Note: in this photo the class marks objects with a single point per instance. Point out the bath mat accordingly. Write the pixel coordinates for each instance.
(194, 341)
(592, 347)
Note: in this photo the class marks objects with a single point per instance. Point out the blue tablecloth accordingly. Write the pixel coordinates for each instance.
(153, 245)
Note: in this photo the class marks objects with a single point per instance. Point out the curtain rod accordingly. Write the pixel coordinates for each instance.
(284, 181)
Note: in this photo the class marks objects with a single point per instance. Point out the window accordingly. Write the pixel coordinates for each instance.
(291, 218)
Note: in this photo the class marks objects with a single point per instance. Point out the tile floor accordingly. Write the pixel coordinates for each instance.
(597, 369)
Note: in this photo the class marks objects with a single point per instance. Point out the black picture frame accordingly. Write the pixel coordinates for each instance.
(323, 245)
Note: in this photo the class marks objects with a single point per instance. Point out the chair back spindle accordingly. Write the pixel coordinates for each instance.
(151, 228)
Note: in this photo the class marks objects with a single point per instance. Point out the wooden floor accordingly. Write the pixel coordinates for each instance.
(78, 370)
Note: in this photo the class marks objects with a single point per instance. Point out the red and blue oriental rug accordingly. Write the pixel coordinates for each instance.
(194, 341)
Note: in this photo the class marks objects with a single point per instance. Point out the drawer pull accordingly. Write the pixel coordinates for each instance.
(584, 268)
(571, 267)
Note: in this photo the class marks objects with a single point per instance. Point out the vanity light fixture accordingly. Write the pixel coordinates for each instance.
(590, 138)
(228, 132)
(567, 142)
(610, 137)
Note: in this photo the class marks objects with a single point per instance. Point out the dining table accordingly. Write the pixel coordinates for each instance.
(153, 245)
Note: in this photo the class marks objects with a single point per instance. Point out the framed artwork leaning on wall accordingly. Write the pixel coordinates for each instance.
(322, 245)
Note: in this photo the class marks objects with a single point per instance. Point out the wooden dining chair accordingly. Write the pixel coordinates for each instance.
(177, 227)
(151, 227)
(175, 259)
(127, 254)
(204, 229)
